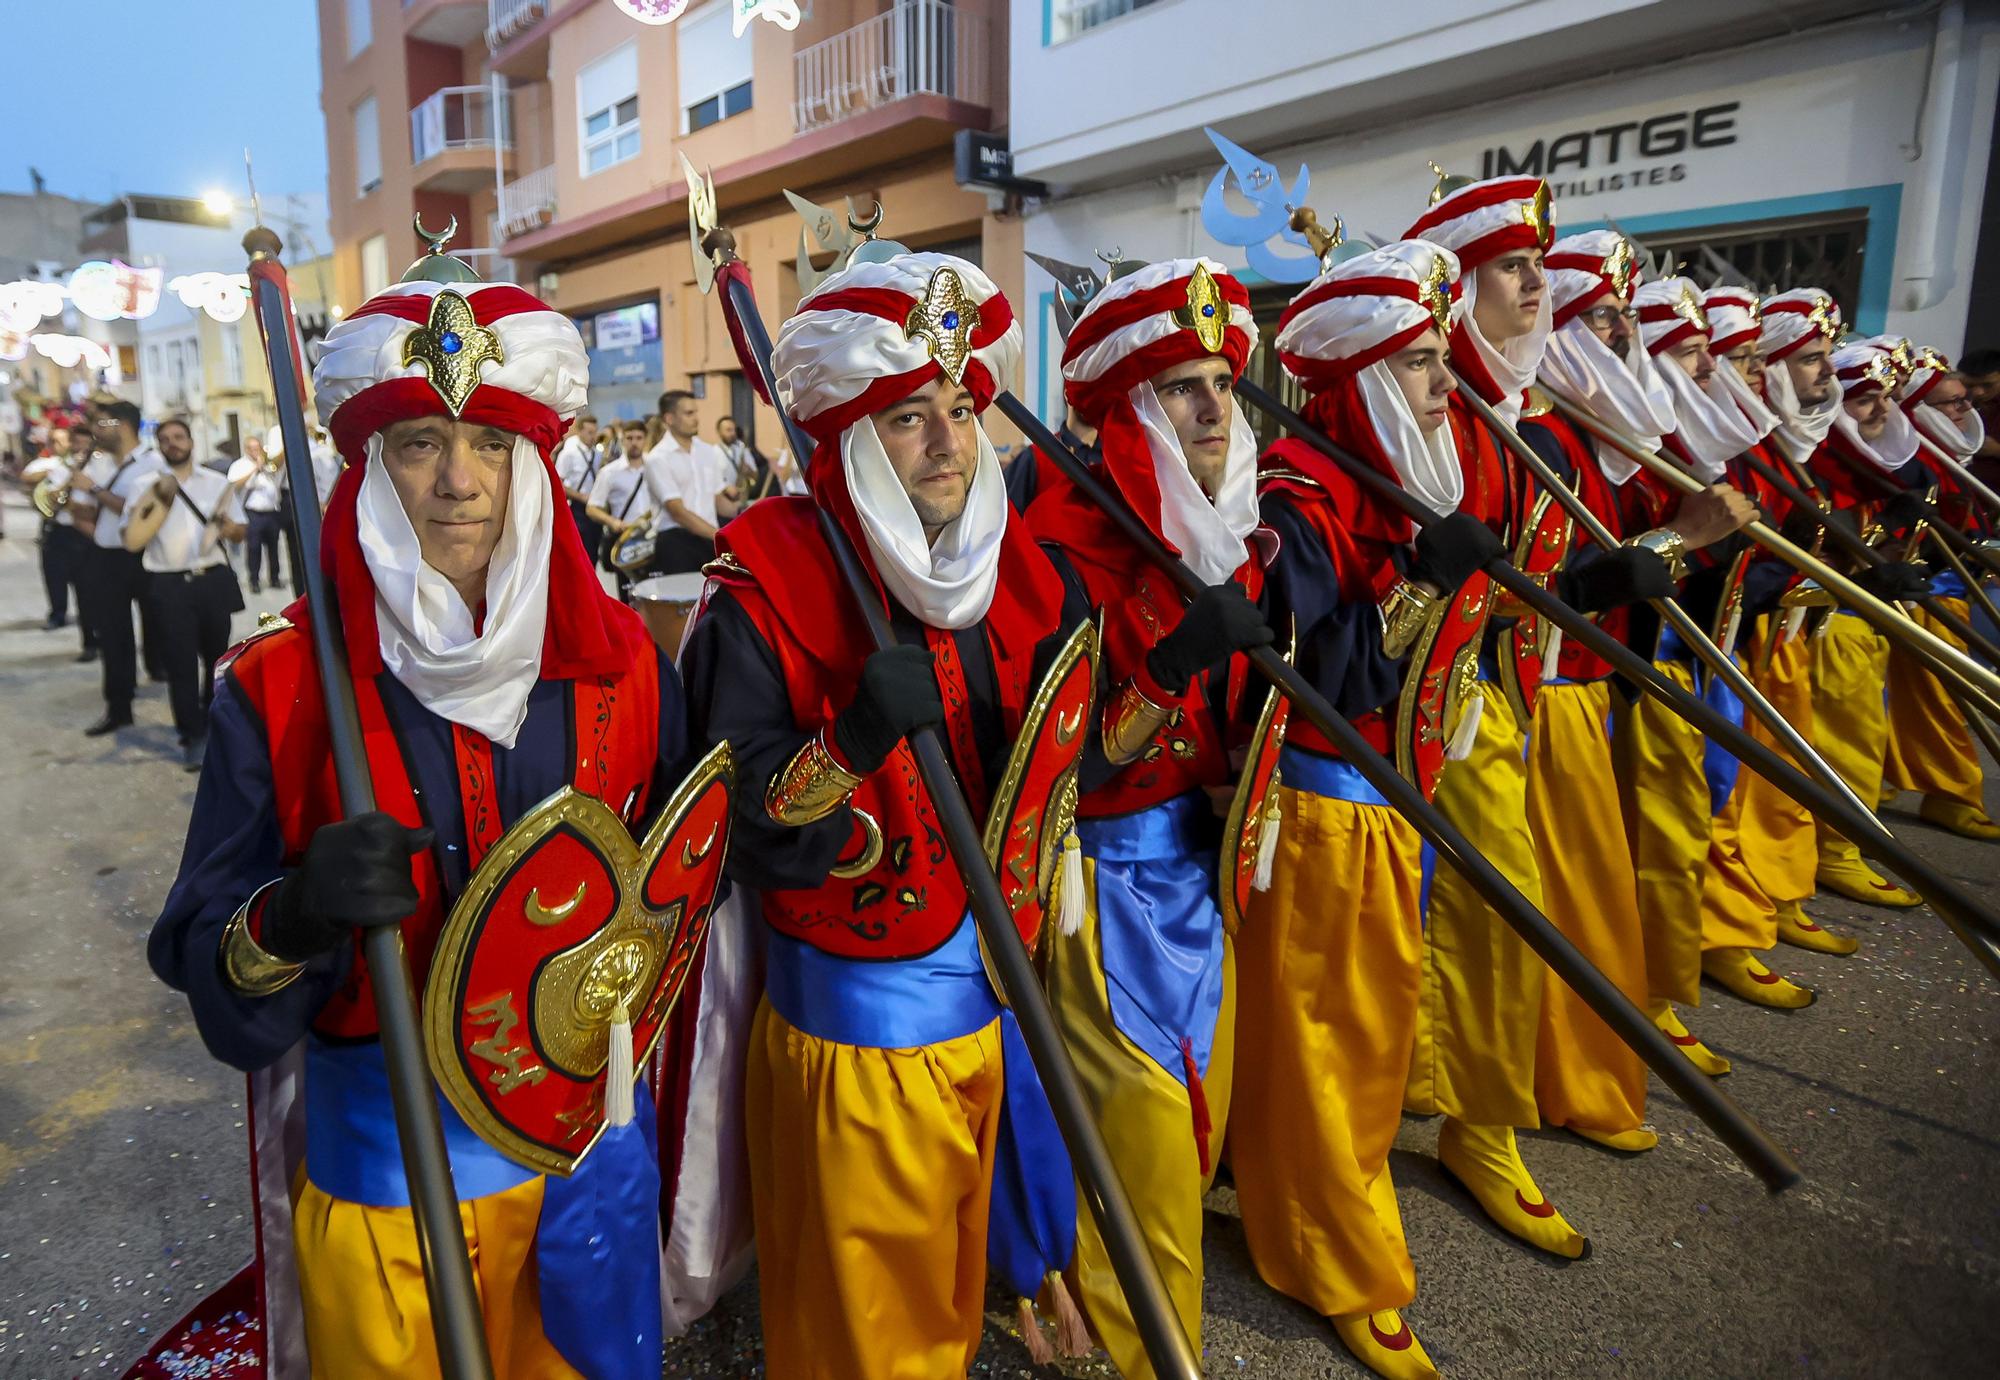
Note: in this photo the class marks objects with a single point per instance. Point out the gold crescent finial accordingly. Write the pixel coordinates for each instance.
(1113, 258)
(866, 226)
(435, 241)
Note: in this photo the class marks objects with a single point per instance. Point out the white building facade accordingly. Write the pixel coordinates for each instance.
(1841, 145)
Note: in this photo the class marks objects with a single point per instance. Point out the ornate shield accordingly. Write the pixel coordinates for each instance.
(1253, 806)
(1034, 806)
(566, 923)
(1442, 679)
(1525, 646)
(1728, 623)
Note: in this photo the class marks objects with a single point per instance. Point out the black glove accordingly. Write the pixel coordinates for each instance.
(1895, 581)
(1219, 621)
(1450, 549)
(355, 873)
(1615, 578)
(898, 695)
(1905, 511)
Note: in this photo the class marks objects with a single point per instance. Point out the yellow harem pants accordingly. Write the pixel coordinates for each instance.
(1762, 853)
(1930, 748)
(1585, 1076)
(1145, 1114)
(1329, 963)
(367, 1313)
(1664, 798)
(1482, 986)
(870, 1174)
(1850, 665)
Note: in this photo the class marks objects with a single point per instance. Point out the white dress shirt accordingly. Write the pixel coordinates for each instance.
(695, 476)
(128, 480)
(577, 465)
(262, 492)
(621, 491)
(183, 542)
(327, 466)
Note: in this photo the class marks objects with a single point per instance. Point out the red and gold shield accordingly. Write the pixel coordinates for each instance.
(1443, 678)
(1034, 806)
(566, 926)
(1253, 809)
(1525, 647)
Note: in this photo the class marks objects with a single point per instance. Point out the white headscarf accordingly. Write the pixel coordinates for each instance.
(1623, 391)
(477, 674)
(1733, 317)
(1711, 433)
(1514, 364)
(1790, 319)
(1869, 365)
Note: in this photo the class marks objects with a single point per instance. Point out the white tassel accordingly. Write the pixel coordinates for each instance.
(1466, 735)
(618, 1070)
(1267, 842)
(1731, 630)
(1552, 658)
(1069, 887)
(1794, 620)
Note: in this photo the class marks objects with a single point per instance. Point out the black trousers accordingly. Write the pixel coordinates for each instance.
(589, 529)
(63, 552)
(113, 581)
(676, 551)
(261, 547)
(191, 613)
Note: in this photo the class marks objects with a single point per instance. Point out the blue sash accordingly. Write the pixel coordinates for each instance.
(1333, 778)
(893, 1004)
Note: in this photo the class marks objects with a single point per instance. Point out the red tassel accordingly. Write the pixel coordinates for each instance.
(1197, 1100)
(1040, 1352)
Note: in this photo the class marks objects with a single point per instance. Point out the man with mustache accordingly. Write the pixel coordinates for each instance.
(882, 1069)
(1142, 988)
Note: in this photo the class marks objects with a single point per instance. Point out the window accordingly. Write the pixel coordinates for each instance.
(367, 147)
(607, 104)
(1822, 251)
(360, 25)
(153, 363)
(232, 357)
(374, 265)
(714, 69)
(1072, 17)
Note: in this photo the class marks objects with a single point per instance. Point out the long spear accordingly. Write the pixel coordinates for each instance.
(1857, 821)
(1736, 1130)
(1980, 681)
(455, 1314)
(1167, 1345)
(1975, 926)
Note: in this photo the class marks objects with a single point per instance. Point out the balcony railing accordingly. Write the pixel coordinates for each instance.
(457, 117)
(506, 18)
(919, 47)
(528, 202)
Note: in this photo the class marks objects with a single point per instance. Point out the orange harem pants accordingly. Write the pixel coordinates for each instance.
(1930, 748)
(1663, 793)
(1481, 1008)
(1328, 966)
(1850, 665)
(1585, 1076)
(1762, 852)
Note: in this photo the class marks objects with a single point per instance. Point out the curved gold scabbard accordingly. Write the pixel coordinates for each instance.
(1980, 684)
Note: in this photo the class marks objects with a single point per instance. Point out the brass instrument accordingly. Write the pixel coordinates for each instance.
(632, 548)
(51, 497)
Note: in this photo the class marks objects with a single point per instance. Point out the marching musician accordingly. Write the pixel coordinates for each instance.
(177, 526)
(693, 485)
(1142, 989)
(577, 464)
(114, 578)
(886, 1089)
(620, 497)
(263, 495)
(489, 670)
(65, 547)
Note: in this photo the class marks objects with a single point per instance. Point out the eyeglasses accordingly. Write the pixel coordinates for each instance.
(1601, 318)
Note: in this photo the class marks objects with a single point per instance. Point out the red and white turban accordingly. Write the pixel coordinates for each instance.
(1735, 318)
(1337, 336)
(865, 339)
(1624, 390)
(1134, 329)
(1959, 442)
(1708, 433)
(1791, 319)
(485, 353)
(1865, 368)
(1479, 222)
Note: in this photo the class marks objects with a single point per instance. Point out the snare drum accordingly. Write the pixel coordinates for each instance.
(666, 602)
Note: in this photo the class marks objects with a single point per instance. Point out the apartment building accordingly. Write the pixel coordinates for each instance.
(1838, 143)
(554, 129)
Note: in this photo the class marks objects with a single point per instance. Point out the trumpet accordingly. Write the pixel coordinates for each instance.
(51, 497)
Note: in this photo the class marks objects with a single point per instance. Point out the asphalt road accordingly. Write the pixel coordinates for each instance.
(122, 1152)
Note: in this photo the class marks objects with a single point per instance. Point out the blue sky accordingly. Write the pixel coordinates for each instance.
(111, 96)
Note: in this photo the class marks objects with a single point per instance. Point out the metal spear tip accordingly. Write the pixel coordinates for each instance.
(703, 222)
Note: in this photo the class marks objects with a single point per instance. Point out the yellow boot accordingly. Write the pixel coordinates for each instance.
(1487, 1163)
(1383, 1342)
(1797, 928)
(1688, 1043)
(1632, 1142)
(1860, 882)
(1967, 821)
(1742, 973)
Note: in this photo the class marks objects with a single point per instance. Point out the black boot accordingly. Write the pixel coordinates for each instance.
(113, 720)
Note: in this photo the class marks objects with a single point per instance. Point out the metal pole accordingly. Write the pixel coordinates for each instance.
(1974, 925)
(1736, 1130)
(456, 1320)
(1167, 1345)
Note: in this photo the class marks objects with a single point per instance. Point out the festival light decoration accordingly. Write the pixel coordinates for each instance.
(115, 291)
(783, 13)
(68, 351)
(224, 296)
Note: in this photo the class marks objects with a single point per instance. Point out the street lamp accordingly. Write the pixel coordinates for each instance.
(217, 203)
